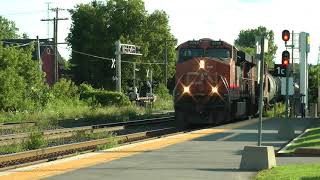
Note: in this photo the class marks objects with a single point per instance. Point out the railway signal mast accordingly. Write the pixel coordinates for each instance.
(286, 64)
(286, 130)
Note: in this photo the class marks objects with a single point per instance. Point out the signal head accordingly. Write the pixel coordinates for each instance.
(285, 35)
(285, 58)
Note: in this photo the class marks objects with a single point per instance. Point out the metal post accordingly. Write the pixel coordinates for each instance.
(118, 65)
(151, 81)
(307, 86)
(303, 70)
(292, 70)
(56, 47)
(48, 6)
(38, 54)
(55, 38)
(166, 63)
(261, 90)
(134, 76)
(287, 91)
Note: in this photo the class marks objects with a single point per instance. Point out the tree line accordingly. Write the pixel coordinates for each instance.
(96, 26)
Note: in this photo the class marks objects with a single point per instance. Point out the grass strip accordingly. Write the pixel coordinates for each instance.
(309, 139)
(291, 172)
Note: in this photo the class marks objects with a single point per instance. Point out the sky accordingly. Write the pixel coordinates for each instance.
(188, 19)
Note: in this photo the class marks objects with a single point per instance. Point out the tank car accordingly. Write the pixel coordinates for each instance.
(215, 82)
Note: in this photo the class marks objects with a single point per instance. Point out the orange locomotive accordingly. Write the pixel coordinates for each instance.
(215, 82)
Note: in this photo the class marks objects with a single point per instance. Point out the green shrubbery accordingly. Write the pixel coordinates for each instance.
(25, 97)
(162, 92)
(22, 86)
(35, 141)
(65, 89)
(277, 110)
(105, 98)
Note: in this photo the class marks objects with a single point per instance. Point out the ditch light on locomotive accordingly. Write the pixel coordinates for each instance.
(201, 64)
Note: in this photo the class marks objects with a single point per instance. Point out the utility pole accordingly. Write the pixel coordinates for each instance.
(48, 16)
(55, 37)
(38, 54)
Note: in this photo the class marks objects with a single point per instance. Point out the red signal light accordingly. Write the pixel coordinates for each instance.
(285, 35)
(285, 58)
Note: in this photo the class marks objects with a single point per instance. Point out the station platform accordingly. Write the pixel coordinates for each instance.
(213, 153)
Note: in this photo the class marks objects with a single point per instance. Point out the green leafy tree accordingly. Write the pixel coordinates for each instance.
(246, 42)
(314, 82)
(8, 29)
(22, 86)
(96, 27)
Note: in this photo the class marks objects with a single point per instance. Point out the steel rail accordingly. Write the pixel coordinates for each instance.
(51, 153)
(69, 132)
(4, 126)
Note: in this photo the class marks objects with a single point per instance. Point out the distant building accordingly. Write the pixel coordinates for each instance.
(46, 54)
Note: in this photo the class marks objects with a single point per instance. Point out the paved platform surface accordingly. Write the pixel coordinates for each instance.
(213, 156)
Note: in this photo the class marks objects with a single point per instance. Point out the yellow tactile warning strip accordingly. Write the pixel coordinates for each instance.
(69, 164)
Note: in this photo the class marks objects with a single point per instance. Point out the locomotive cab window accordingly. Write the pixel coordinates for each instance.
(186, 54)
(218, 53)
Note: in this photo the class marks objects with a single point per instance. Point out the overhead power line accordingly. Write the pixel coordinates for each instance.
(110, 59)
(21, 13)
(15, 44)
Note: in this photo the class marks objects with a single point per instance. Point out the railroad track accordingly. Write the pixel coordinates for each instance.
(7, 128)
(51, 153)
(70, 132)
(10, 161)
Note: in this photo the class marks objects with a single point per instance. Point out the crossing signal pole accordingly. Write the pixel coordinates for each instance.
(123, 49)
(286, 64)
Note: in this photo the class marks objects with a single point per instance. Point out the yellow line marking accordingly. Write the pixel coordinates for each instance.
(70, 164)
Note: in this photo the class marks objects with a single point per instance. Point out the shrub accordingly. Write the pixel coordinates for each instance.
(85, 88)
(35, 141)
(162, 92)
(20, 79)
(106, 98)
(65, 89)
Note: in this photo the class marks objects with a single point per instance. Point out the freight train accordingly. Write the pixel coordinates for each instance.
(216, 82)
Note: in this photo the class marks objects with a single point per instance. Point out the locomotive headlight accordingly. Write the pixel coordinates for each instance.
(201, 64)
(186, 89)
(214, 90)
